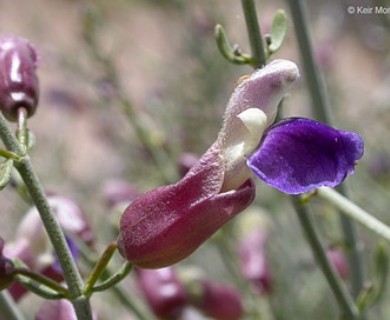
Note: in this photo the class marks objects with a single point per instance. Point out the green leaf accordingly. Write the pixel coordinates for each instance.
(278, 31)
(5, 172)
(369, 296)
(226, 49)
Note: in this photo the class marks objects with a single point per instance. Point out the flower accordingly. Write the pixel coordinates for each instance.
(32, 244)
(167, 224)
(253, 261)
(163, 291)
(19, 85)
(219, 301)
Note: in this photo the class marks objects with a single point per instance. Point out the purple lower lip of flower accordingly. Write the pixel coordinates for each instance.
(167, 224)
(298, 155)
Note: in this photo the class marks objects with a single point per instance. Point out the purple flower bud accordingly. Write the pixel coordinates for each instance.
(339, 262)
(59, 310)
(6, 269)
(163, 291)
(253, 261)
(19, 85)
(216, 300)
(167, 224)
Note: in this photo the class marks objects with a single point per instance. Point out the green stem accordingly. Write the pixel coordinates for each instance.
(39, 289)
(41, 279)
(354, 212)
(8, 308)
(9, 155)
(131, 305)
(21, 131)
(314, 80)
(122, 273)
(142, 314)
(254, 33)
(54, 231)
(322, 111)
(343, 297)
(159, 155)
(99, 268)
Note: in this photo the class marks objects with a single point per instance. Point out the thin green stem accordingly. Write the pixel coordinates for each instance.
(54, 231)
(99, 268)
(314, 80)
(159, 155)
(354, 212)
(38, 288)
(8, 308)
(9, 155)
(344, 299)
(122, 273)
(322, 111)
(144, 132)
(41, 279)
(254, 33)
(141, 313)
(21, 131)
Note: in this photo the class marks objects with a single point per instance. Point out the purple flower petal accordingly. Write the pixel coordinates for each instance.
(298, 155)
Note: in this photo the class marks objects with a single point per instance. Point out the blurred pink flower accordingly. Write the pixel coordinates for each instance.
(163, 291)
(253, 261)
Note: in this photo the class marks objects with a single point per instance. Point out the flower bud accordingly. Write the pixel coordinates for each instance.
(19, 87)
(253, 261)
(216, 300)
(6, 269)
(32, 244)
(163, 291)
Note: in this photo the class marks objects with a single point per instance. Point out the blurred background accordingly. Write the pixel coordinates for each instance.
(105, 66)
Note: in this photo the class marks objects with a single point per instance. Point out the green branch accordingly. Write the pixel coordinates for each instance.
(342, 295)
(354, 212)
(322, 111)
(8, 308)
(54, 231)
(254, 33)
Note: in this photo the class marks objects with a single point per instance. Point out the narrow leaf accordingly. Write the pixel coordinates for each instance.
(369, 296)
(278, 32)
(5, 172)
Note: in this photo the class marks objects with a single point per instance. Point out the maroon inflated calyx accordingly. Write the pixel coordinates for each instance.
(19, 87)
